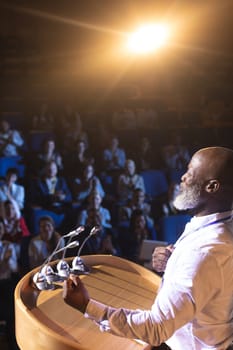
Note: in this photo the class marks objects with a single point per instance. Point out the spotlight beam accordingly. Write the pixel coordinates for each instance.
(56, 18)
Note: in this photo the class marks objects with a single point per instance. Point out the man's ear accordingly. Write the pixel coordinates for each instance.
(212, 186)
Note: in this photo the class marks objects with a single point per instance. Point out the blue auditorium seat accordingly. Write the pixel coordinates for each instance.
(11, 162)
(37, 213)
(36, 139)
(155, 183)
(175, 175)
(172, 226)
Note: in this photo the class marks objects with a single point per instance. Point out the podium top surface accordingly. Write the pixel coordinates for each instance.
(44, 321)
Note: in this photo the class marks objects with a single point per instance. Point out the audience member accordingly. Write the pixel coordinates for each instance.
(78, 159)
(129, 181)
(15, 227)
(42, 245)
(50, 190)
(130, 239)
(83, 186)
(147, 156)
(8, 280)
(72, 130)
(10, 190)
(48, 154)
(113, 156)
(96, 215)
(44, 119)
(137, 202)
(94, 207)
(176, 155)
(10, 140)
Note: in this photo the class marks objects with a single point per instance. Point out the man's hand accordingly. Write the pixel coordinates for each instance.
(75, 293)
(160, 257)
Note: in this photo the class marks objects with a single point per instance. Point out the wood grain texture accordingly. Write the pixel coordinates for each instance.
(45, 322)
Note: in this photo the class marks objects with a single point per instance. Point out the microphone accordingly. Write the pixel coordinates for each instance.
(75, 232)
(70, 235)
(47, 270)
(45, 276)
(62, 266)
(78, 266)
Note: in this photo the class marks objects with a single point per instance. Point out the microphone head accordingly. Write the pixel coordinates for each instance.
(75, 232)
(49, 274)
(63, 269)
(94, 230)
(72, 244)
(40, 282)
(77, 264)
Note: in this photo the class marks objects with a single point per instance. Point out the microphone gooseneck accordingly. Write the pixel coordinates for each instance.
(78, 266)
(93, 232)
(45, 277)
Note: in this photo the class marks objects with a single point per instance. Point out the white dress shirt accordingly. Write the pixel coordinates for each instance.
(194, 306)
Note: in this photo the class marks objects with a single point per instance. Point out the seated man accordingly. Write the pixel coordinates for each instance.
(137, 202)
(128, 181)
(96, 215)
(113, 156)
(10, 140)
(50, 190)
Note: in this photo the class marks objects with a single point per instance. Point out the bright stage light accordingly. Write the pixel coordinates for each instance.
(148, 38)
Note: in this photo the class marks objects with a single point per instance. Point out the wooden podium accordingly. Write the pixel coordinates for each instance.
(44, 321)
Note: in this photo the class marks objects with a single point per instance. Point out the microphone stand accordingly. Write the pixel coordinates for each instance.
(62, 266)
(78, 266)
(45, 277)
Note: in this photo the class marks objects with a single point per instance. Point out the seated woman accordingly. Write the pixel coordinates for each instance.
(96, 215)
(42, 245)
(130, 239)
(15, 227)
(10, 190)
(129, 181)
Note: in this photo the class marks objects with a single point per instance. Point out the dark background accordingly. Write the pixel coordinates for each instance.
(70, 49)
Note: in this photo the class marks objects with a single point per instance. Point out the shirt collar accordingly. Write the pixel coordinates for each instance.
(199, 221)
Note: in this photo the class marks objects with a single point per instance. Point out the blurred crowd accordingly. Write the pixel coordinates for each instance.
(120, 172)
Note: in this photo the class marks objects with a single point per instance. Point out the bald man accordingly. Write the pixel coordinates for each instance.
(194, 306)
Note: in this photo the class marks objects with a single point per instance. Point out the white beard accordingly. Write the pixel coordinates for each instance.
(188, 198)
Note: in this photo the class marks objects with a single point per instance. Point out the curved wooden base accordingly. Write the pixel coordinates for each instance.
(44, 321)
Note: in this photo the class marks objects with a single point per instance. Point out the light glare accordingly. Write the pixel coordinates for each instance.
(148, 38)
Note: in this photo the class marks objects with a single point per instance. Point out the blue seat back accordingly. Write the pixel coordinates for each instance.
(172, 226)
(11, 162)
(37, 213)
(155, 183)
